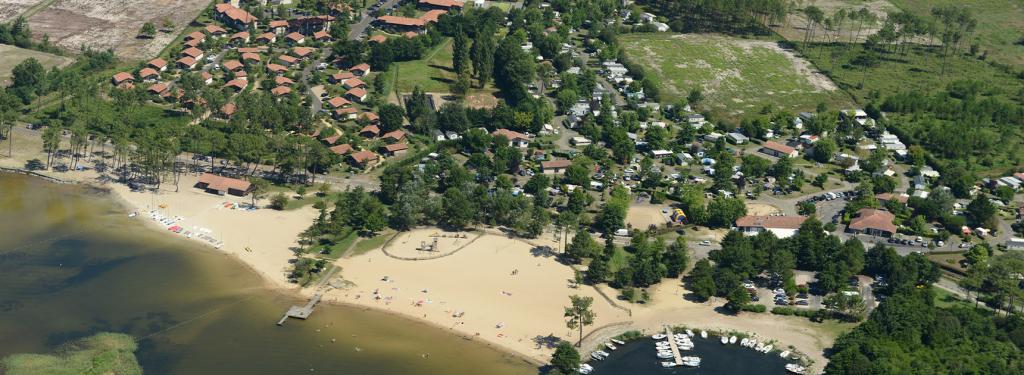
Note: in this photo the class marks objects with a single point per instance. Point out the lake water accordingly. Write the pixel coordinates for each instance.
(638, 358)
(72, 264)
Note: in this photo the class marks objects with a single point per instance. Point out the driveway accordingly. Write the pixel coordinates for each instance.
(360, 27)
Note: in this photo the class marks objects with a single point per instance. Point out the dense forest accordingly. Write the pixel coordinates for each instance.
(731, 16)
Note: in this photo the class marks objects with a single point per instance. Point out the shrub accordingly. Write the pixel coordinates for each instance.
(278, 201)
(754, 307)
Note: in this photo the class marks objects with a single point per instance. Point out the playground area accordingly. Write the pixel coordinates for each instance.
(428, 243)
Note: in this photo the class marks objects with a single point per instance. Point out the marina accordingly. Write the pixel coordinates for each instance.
(689, 353)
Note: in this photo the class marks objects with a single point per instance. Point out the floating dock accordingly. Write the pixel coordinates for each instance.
(672, 345)
(301, 312)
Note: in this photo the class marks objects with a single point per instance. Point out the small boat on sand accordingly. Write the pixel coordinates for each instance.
(703, 334)
(689, 333)
(610, 346)
(659, 336)
(744, 342)
(618, 342)
(732, 339)
(784, 354)
(767, 349)
(795, 368)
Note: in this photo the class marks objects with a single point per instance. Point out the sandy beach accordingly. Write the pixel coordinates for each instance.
(482, 285)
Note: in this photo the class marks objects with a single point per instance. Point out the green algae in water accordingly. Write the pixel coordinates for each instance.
(103, 353)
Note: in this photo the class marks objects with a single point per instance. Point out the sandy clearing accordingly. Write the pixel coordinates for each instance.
(762, 209)
(113, 24)
(10, 56)
(513, 311)
(413, 244)
(9, 9)
(643, 215)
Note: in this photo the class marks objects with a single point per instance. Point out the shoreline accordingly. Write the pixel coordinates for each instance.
(127, 206)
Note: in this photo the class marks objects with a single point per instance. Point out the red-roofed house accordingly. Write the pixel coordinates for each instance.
(237, 84)
(295, 38)
(158, 64)
(341, 77)
(122, 77)
(515, 139)
(338, 102)
(343, 114)
(395, 149)
(360, 70)
(221, 185)
(249, 56)
(283, 81)
(158, 89)
(372, 118)
(232, 65)
(310, 24)
(394, 136)
(379, 38)
(440, 4)
(287, 60)
(370, 131)
(281, 90)
(192, 52)
(148, 74)
(364, 158)
(228, 109)
(343, 149)
(276, 68)
(873, 222)
(186, 63)
(322, 36)
(778, 150)
(432, 15)
(401, 23)
(215, 31)
(196, 35)
(302, 52)
(886, 197)
(239, 37)
(207, 77)
(354, 83)
(266, 38)
(234, 17)
(781, 226)
(356, 94)
(278, 26)
(555, 166)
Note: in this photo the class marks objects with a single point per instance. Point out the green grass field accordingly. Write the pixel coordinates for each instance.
(11, 56)
(1000, 24)
(432, 73)
(737, 76)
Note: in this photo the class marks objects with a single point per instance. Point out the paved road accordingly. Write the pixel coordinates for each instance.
(360, 27)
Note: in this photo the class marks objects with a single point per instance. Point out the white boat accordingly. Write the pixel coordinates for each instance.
(133, 214)
(759, 347)
(662, 343)
(703, 334)
(691, 361)
(725, 340)
(596, 356)
(752, 343)
(619, 342)
(602, 353)
(732, 339)
(664, 355)
(610, 346)
(585, 368)
(744, 342)
(767, 348)
(784, 354)
(689, 333)
(658, 336)
(795, 368)
(668, 364)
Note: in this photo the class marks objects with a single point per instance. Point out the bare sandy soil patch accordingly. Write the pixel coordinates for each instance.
(418, 243)
(10, 56)
(497, 289)
(642, 215)
(762, 209)
(11, 8)
(113, 24)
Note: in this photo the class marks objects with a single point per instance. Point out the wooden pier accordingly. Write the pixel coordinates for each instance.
(673, 346)
(301, 312)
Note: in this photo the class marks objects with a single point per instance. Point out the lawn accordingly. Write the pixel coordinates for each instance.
(945, 299)
(368, 244)
(10, 56)
(736, 76)
(999, 24)
(432, 73)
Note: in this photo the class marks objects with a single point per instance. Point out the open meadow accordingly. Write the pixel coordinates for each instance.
(999, 29)
(9, 9)
(736, 76)
(10, 56)
(794, 27)
(110, 24)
